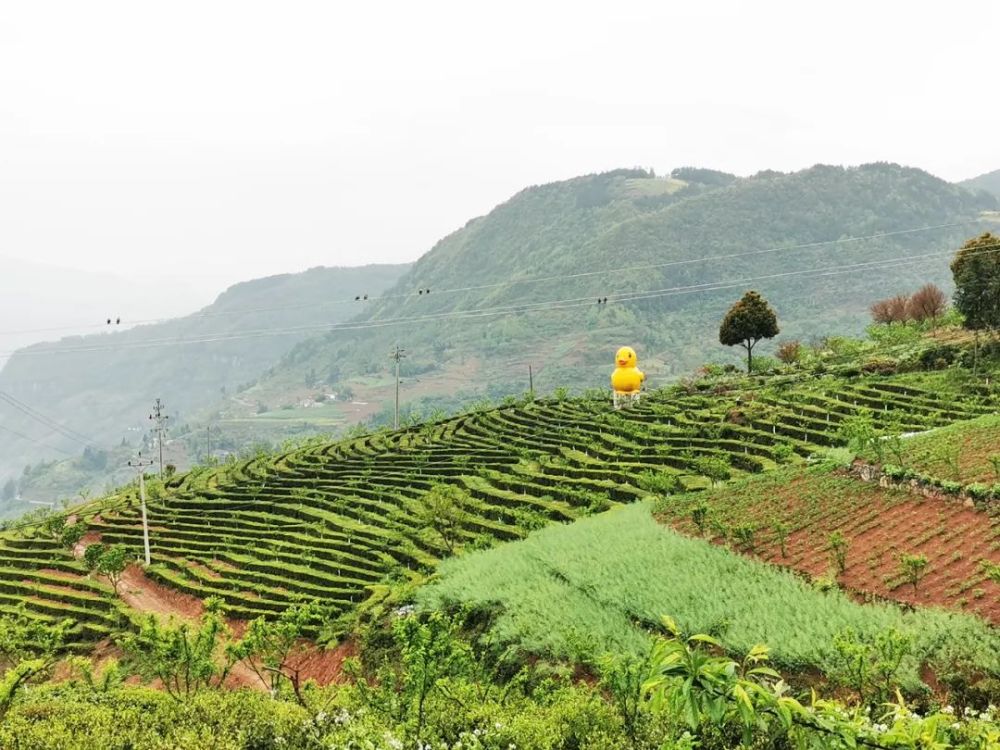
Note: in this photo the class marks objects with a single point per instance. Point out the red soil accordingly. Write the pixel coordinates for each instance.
(953, 539)
(880, 526)
(147, 596)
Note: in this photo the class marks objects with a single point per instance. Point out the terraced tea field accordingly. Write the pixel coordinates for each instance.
(334, 521)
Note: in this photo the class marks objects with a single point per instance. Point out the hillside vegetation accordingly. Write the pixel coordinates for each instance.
(627, 233)
(102, 386)
(990, 182)
(454, 618)
(334, 521)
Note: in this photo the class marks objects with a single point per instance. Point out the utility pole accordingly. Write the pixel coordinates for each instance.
(208, 441)
(397, 354)
(140, 464)
(531, 383)
(160, 421)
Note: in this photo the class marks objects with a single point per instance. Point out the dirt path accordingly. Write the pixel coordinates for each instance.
(149, 597)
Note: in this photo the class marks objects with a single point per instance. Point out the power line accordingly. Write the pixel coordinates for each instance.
(33, 440)
(423, 292)
(541, 306)
(48, 422)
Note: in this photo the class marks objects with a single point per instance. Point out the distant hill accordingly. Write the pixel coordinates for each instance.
(41, 302)
(557, 248)
(990, 182)
(103, 385)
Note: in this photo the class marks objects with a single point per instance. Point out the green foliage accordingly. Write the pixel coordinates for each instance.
(913, 568)
(112, 563)
(28, 649)
(444, 508)
(871, 664)
(184, 658)
(594, 577)
(976, 270)
(72, 534)
(858, 431)
(838, 546)
(748, 321)
(268, 648)
(715, 469)
(659, 482)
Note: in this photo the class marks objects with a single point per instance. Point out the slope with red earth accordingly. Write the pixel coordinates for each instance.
(880, 525)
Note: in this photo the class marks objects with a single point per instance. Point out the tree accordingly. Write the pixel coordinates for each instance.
(443, 508)
(976, 270)
(270, 648)
(869, 663)
(28, 650)
(748, 321)
(891, 310)
(929, 302)
(72, 534)
(714, 469)
(185, 659)
(9, 490)
(108, 561)
(790, 352)
(913, 568)
(838, 550)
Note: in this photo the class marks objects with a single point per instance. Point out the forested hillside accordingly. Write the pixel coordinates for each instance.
(990, 182)
(101, 386)
(521, 284)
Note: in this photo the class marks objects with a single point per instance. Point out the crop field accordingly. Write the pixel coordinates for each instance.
(335, 521)
(966, 452)
(789, 518)
(602, 583)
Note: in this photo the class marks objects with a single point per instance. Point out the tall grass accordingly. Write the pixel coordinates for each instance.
(604, 580)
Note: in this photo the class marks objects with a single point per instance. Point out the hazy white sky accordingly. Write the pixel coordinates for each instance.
(221, 141)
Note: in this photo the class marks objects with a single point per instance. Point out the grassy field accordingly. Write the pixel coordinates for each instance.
(602, 582)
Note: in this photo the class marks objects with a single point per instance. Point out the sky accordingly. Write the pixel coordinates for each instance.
(191, 145)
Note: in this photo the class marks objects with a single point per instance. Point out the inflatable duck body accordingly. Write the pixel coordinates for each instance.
(627, 378)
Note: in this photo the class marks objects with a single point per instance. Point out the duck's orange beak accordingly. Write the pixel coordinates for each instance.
(622, 362)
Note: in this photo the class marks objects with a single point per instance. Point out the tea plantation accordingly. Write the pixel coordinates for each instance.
(336, 521)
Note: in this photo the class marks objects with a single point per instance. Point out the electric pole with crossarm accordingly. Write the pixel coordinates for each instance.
(140, 464)
(160, 421)
(397, 354)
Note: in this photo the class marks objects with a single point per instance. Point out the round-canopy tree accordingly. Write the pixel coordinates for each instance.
(747, 322)
(976, 269)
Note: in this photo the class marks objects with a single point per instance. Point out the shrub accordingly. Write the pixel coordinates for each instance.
(913, 568)
(790, 352)
(894, 472)
(838, 550)
(782, 453)
(659, 482)
(927, 303)
(891, 310)
(880, 366)
(950, 487)
(978, 491)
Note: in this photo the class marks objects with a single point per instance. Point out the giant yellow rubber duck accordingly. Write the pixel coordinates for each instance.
(626, 380)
